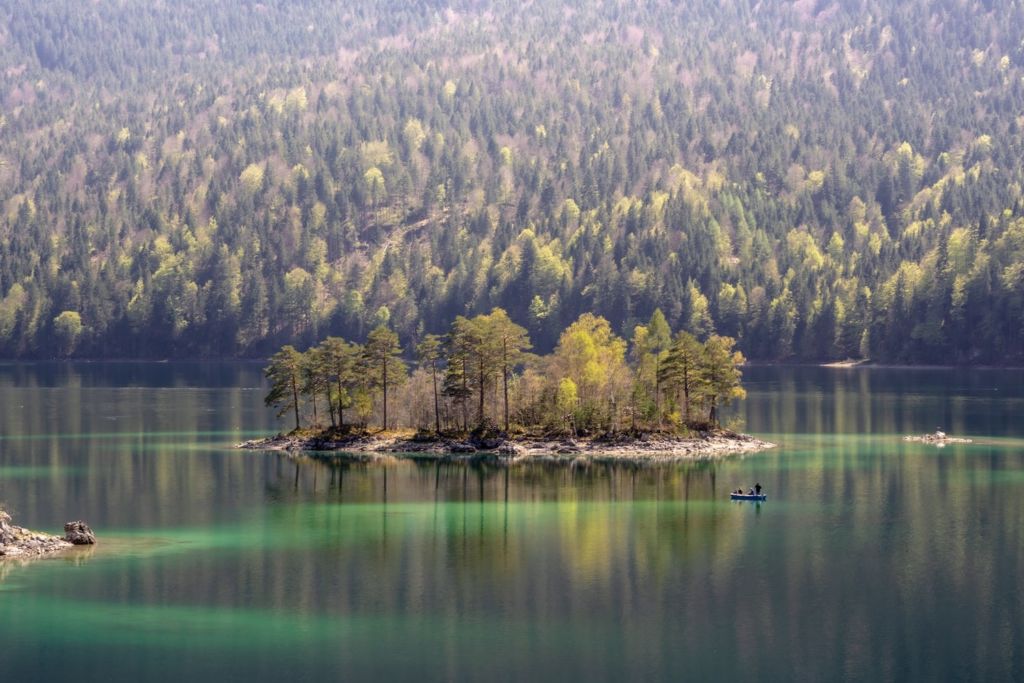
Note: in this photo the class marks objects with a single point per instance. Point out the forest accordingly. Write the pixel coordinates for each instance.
(819, 180)
(481, 377)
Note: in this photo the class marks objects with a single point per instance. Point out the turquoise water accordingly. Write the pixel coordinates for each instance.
(873, 559)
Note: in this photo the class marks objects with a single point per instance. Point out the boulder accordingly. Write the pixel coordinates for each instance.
(568, 446)
(510, 448)
(79, 533)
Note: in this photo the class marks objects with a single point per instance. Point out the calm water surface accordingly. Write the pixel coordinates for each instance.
(873, 559)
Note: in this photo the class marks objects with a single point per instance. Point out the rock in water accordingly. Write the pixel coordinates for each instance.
(79, 533)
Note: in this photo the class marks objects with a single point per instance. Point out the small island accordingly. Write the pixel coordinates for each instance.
(477, 392)
(936, 438)
(622, 447)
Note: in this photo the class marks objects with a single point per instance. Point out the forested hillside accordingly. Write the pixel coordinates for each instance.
(819, 180)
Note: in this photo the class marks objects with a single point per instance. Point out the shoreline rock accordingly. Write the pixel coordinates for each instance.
(22, 543)
(619, 447)
(16, 541)
(79, 533)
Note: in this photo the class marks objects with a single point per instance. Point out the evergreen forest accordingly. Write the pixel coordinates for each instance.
(818, 180)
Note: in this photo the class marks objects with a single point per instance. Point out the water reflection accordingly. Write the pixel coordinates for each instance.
(812, 400)
(872, 559)
(300, 477)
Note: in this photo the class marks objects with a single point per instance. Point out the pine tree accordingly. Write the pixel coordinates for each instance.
(720, 372)
(382, 356)
(341, 359)
(680, 372)
(429, 352)
(285, 375)
(460, 352)
(507, 342)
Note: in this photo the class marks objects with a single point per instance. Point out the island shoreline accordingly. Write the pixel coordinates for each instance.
(618, 447)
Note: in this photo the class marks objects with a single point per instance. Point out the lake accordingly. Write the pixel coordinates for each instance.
(873, 559)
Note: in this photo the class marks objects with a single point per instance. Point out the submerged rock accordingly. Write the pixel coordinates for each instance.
(79, 533)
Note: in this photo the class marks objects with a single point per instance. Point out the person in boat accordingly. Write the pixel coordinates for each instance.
(750, 492)
(757, 489)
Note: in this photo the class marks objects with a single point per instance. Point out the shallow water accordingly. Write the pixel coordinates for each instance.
(872, 559)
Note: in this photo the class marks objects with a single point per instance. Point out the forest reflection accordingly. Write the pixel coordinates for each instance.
(874, 557)
(428, 479)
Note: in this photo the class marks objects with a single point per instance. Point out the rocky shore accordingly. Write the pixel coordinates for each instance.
(18, 542)
(646, 447)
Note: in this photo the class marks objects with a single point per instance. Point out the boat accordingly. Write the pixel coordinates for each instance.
(748, 496)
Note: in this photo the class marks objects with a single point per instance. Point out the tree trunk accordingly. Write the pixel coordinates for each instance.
(686, 396)
(465, 395)
(437, 412)
(341, 402)
(295, 400)
(330, 403)
(480, 417)
(657, 388)
(385, 383)
(504, 377)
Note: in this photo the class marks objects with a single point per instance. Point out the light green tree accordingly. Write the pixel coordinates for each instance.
(67, 327)
(593, 357)
(721, 374)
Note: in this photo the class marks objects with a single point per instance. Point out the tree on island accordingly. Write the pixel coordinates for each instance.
(285, 375)
(341, 359)
(579, 388)
(721, 374)
(681, 372)
(428, 353)
(509, 341)
(650, 345)
(593, 357)
(460, 349)
(315, 380)
(479, 350)
(382, 354)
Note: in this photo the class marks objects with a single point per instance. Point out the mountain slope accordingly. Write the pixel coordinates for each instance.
(819, 180)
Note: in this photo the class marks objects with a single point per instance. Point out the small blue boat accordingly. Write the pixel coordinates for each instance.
(751, 496)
